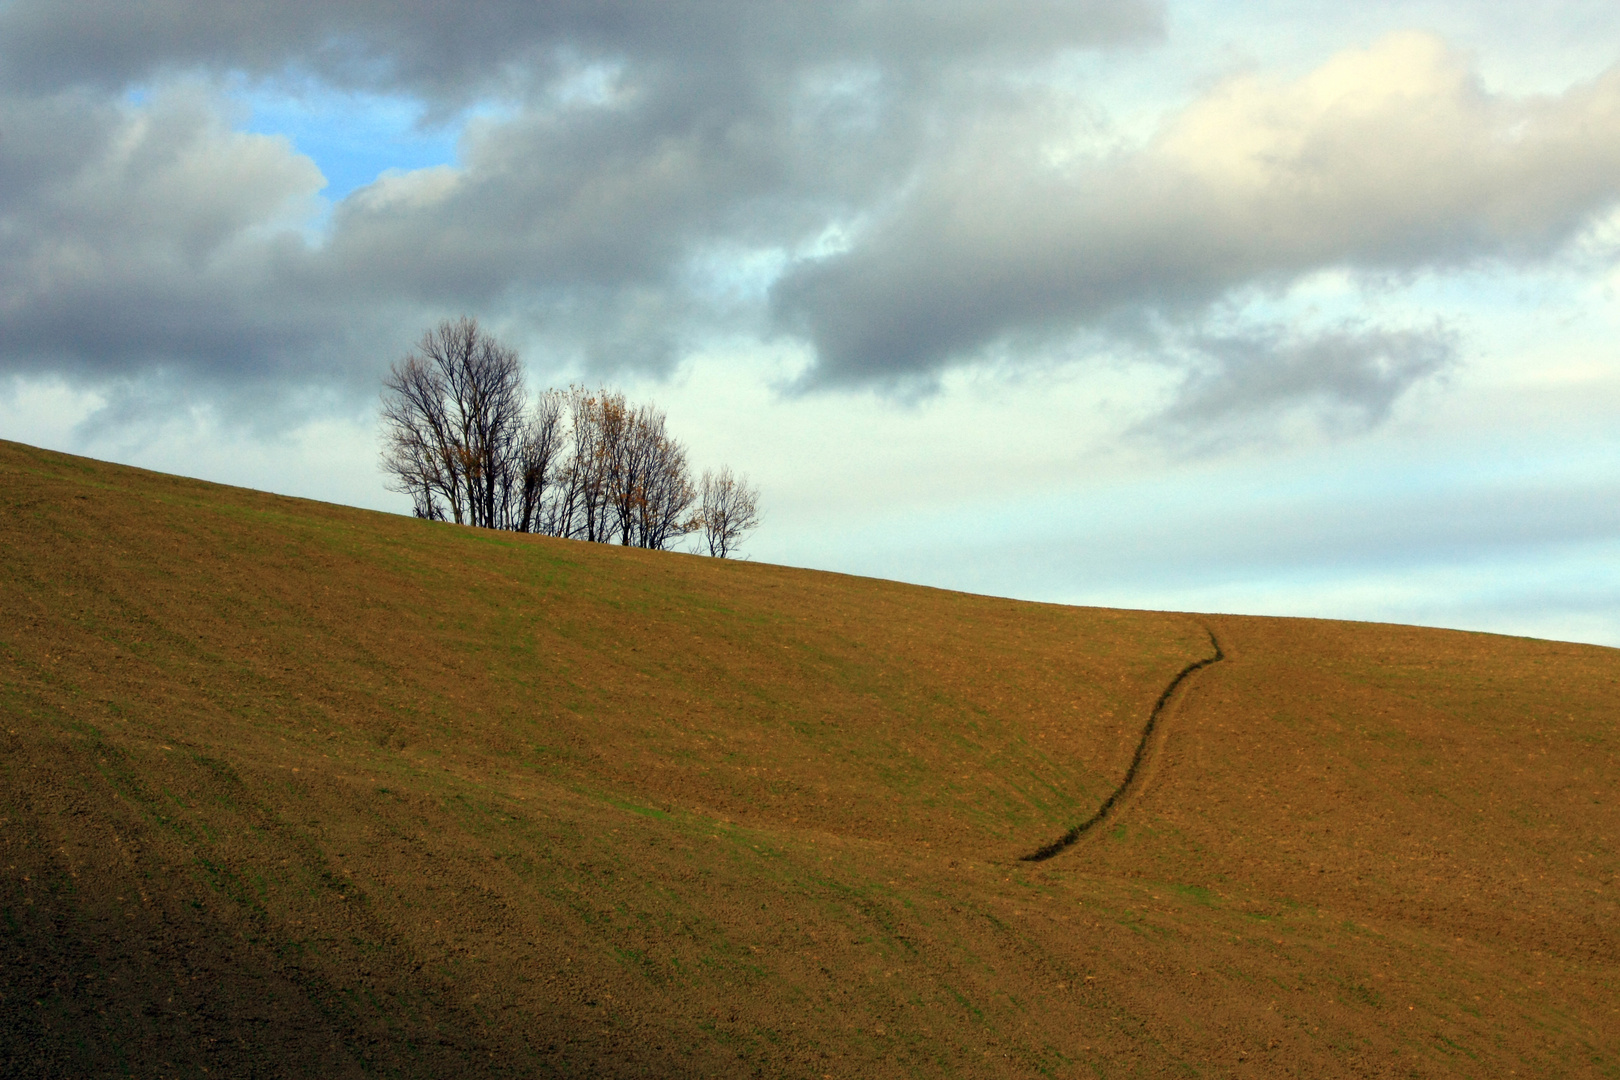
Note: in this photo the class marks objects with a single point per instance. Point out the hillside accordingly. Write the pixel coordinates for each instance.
(290, 789)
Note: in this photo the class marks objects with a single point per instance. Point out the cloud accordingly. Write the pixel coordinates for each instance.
(141, 233)
(1344, 380)
(1391, 158)
(150, 231)
(441, 51)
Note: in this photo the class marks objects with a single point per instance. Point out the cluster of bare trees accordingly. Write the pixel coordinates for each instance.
(462, 439)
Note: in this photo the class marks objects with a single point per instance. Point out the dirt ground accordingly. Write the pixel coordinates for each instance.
(289, 789)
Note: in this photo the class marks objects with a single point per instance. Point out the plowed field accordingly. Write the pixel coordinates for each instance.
(289, 789)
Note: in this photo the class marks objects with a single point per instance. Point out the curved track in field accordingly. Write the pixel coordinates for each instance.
(1132, 773)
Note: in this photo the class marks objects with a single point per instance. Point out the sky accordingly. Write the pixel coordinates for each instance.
(1292, 308)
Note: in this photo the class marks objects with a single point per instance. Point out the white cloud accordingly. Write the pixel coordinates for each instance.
(1385, 159)
(416, 191)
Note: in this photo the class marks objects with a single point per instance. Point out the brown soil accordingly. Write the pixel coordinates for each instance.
(288, 789)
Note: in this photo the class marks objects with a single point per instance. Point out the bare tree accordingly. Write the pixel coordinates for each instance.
(418, 447)
(667, 511)
(453, 418)
(540, 462)
(562, 507)
(460, 439)
(630, 457)
(730, 508)
(658, 489)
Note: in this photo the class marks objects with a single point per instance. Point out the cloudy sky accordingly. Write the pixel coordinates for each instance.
(1283, 307)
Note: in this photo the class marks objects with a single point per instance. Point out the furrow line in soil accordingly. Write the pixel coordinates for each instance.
(1131, 774)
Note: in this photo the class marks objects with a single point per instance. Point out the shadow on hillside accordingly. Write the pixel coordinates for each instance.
(136, 970)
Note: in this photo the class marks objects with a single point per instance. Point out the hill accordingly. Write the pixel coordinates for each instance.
(290, 789)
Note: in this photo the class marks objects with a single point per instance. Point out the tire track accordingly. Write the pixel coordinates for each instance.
(1125, 785)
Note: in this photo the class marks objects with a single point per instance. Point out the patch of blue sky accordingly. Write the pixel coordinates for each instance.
(352, 137)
